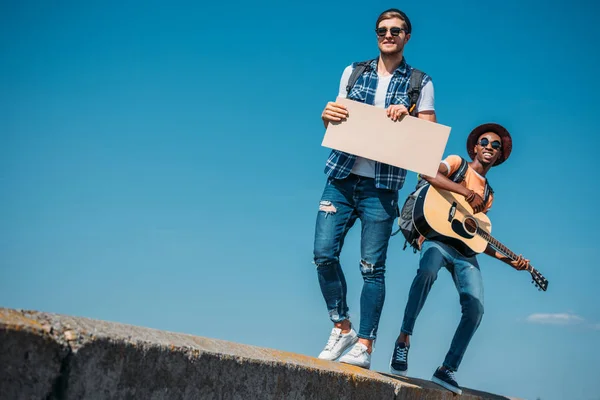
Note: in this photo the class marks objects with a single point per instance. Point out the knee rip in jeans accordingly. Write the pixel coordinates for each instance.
(366, 267)
(371, 270)
(327, 207)
(325, 264)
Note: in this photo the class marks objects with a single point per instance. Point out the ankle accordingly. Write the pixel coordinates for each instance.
(368, 343)
(403, 338)
(344, 325)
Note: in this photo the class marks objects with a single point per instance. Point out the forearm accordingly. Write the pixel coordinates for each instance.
(490, 251)
(428, 116)
(440, 181)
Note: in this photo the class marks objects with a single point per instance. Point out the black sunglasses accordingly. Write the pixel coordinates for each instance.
(496, 145)
(395, 31)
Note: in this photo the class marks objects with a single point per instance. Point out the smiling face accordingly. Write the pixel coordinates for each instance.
(488, 148)
(392, 36)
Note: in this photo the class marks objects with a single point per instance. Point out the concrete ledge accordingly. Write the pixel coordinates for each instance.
(30, 358)
(50, 356)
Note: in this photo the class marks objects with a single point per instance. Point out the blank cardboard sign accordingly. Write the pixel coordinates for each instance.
(411, 143)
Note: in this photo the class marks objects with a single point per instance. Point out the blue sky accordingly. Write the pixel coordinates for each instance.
(161, 166)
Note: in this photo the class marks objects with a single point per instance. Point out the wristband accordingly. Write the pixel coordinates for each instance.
(471, 196)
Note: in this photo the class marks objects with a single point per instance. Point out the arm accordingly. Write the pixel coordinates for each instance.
(519, 264)
(425, 104)
(333, 111)
(441, 181)
(427, 115)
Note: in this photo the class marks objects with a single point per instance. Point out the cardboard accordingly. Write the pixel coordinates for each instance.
(410, 143)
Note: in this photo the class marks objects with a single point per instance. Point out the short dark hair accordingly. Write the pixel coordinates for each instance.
(394, 13)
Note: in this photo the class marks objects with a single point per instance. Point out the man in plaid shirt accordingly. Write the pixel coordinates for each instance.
(365, 189)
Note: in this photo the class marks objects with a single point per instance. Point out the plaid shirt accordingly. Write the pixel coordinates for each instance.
(339, 164)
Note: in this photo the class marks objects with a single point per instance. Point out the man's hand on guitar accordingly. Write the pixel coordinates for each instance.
(520, 263)
(475, 201)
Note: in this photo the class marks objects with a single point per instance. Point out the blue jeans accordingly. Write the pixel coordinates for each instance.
(342, 202)
(467, 279)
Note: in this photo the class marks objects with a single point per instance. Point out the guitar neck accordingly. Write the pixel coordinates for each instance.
(496, 244)
(538, 279)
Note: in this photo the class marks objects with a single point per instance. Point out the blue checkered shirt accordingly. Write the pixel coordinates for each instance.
(339, 164)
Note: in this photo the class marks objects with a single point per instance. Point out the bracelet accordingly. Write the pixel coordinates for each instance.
(471, 196)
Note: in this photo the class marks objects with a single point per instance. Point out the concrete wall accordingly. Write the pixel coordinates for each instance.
(56, 357)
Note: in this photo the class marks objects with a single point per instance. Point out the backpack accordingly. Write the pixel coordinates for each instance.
(405, 216)
(414, 85)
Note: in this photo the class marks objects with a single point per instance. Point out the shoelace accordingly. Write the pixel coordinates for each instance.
(357, 351)
(400, 354)
(450, 374)
(333, 339)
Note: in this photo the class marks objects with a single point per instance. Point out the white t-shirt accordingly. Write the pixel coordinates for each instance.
(425, 102)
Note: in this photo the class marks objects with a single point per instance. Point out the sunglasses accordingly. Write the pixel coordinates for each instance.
(395, 31)
(496, 145)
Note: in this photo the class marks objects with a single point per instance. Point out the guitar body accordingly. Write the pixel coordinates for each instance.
(447, 217)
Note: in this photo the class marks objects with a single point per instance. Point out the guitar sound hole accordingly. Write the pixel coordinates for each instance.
(470, 225)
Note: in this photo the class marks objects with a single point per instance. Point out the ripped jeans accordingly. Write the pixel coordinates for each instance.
(467, 279)
(343, 201)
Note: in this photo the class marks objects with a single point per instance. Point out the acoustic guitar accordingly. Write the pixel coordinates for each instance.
(447, 217)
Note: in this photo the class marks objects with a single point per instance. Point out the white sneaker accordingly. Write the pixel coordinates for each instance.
(358, 356)
(338, 343)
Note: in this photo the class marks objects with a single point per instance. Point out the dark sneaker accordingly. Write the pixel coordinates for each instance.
(399, 362)
(445, 378)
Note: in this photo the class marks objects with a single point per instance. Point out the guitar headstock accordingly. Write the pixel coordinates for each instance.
(538, 279)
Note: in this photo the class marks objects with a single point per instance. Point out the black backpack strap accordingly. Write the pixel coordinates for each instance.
(487, 192)
(414, 90)
(459, 175)
(359, 69)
